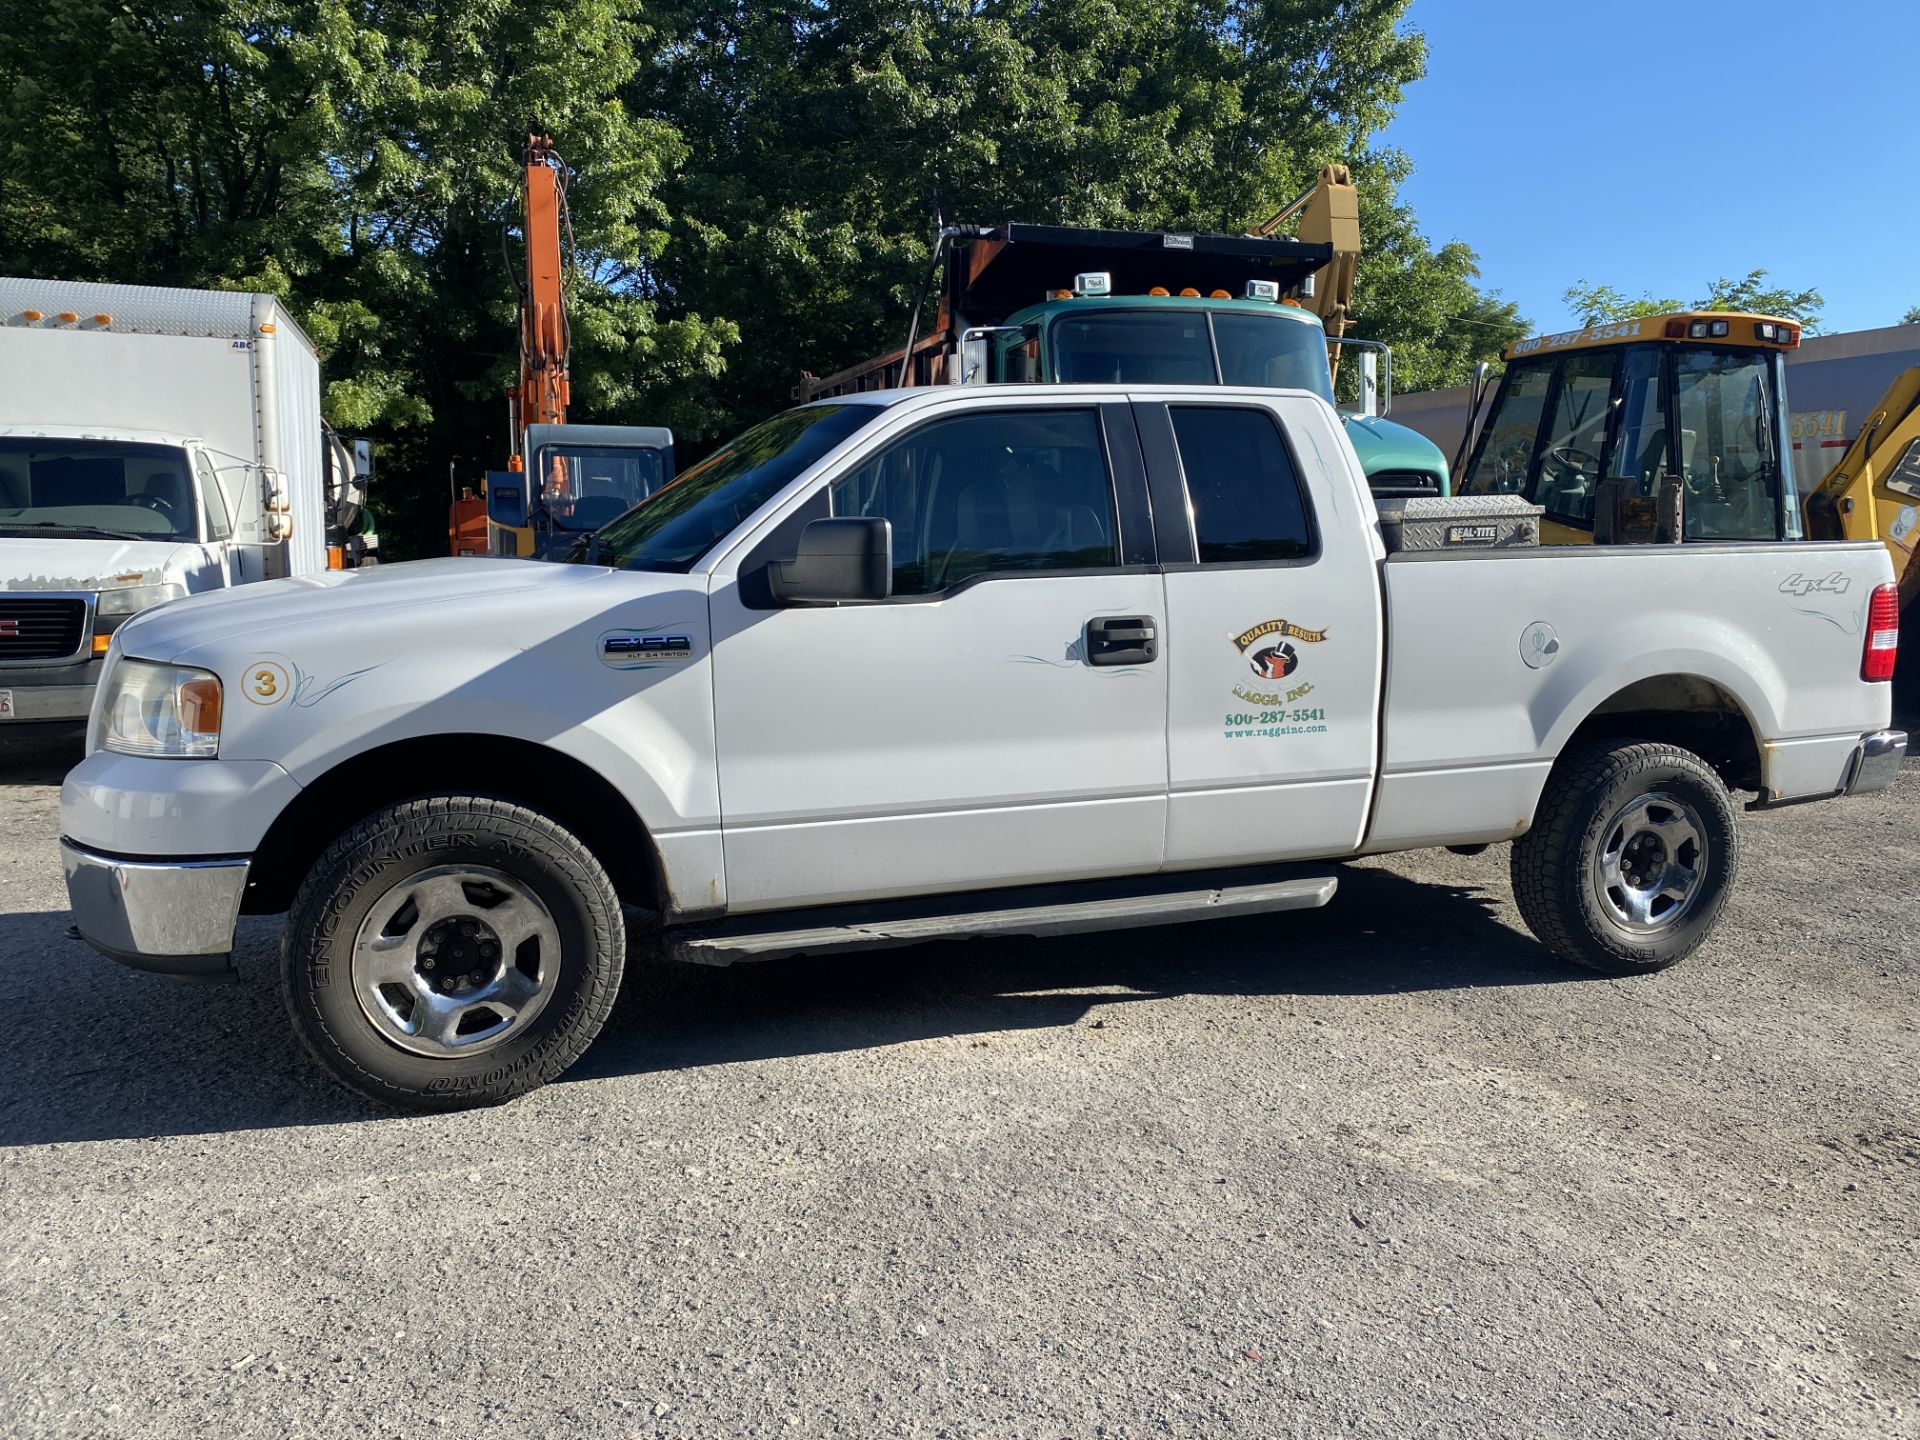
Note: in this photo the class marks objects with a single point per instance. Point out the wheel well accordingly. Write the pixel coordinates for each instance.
(1682, 710)
(495, 766)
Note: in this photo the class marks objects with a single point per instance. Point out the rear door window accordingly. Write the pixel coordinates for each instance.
(1242, 486)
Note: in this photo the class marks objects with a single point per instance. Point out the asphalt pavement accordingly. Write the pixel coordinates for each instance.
(1383, 1170)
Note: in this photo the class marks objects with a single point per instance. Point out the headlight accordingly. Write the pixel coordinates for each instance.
(131, 598)
(170, 710)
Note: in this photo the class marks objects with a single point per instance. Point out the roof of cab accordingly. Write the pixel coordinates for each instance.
(1742, 328)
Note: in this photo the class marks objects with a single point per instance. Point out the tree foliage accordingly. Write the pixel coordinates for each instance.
(755, 184)
(1749, 294)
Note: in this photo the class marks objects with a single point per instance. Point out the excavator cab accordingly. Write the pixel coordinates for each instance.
(1667, 428)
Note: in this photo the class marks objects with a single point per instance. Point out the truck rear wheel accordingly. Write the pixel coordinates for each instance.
(1631, 857)
(452, 952)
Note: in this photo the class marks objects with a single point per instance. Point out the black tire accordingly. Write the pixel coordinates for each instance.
(582, 937)
(1560, 878)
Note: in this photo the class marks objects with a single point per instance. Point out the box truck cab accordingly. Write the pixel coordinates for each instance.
(160, 443)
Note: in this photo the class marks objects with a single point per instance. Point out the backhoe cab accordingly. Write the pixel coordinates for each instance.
(1661, 428)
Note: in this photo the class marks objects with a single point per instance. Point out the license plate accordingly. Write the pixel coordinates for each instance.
(6, 704)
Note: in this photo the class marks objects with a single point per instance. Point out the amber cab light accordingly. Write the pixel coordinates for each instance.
(1883, 634)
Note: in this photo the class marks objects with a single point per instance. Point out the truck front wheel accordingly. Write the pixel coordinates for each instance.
(451, 952)
(1631, 857)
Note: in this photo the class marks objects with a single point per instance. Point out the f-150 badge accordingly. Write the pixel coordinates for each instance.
(635, 650)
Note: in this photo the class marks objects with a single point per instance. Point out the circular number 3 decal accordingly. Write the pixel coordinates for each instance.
(265, 682)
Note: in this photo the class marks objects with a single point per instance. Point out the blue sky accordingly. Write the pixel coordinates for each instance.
(1654, 146)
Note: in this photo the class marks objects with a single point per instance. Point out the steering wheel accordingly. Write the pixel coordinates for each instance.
(1579, 464)
(160, 505)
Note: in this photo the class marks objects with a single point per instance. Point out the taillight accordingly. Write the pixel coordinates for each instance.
(1883, 634)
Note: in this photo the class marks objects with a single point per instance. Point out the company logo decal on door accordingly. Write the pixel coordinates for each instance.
(1272, 651)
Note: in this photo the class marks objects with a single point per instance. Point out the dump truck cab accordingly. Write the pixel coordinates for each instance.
(1662, 427)
(1216, 339)
(1059, 304)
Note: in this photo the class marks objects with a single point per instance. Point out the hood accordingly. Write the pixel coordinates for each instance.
(1385, 445)
(377, 597)
(65, 562)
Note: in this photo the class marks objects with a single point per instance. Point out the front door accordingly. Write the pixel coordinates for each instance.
(975, 729)
(1274, 629)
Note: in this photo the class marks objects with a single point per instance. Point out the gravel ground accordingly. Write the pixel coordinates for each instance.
(1384, 1170)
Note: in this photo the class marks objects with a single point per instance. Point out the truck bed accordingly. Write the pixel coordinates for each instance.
(1495, 656)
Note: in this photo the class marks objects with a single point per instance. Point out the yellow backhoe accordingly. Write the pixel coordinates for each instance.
(1874, 492)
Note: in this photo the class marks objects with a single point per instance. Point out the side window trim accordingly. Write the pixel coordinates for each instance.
(1172, 519)
(1127, 473)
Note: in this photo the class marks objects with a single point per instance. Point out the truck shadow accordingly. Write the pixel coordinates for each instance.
(103, 1053)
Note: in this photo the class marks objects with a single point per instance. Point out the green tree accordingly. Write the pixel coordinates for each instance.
(755, 184)
(362, 161)
(1602, 304)
(1912, 317)
(825, 141)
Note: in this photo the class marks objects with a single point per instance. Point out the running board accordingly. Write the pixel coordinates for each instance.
(1039, 910)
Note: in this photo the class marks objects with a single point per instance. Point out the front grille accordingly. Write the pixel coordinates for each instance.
(41, 627)
(1406, 484)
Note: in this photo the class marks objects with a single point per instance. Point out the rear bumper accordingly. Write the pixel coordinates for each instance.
(176, 917)
(1877, 761)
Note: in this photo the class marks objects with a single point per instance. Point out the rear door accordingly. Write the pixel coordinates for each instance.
(1269, 543)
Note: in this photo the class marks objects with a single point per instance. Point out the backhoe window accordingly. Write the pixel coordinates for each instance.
(1506, 448)
(585, 486)
(1576, 437)
(1641, 453)
(1727, 444)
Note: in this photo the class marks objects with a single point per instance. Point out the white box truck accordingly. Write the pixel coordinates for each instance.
(154, 443)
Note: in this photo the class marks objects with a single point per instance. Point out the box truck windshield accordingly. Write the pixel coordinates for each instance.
(101, 488)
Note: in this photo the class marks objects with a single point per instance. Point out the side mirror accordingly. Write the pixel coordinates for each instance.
(838, 560)
(507, 499)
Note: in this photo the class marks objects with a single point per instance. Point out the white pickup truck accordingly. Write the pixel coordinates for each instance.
(942, 662)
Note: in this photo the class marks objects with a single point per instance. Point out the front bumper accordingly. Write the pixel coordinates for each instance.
(1878, 761)
(176, 917)
(51, 693)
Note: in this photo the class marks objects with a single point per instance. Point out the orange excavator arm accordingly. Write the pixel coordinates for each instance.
(543, 393)
(1329, 214)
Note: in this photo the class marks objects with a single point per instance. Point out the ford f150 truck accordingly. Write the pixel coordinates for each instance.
(943, 662)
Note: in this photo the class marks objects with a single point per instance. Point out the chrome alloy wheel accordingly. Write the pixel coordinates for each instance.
(1651, 865)
(451, 961)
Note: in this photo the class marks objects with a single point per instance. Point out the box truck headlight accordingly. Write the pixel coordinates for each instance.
(163, 710)
(129, 599)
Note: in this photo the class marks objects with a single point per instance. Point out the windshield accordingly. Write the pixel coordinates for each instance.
(1177, 346)
(585, 486)
(674, 527)
(100, 488)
